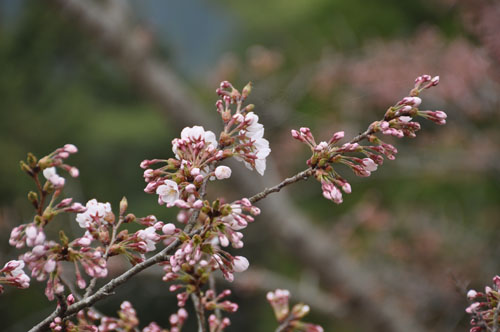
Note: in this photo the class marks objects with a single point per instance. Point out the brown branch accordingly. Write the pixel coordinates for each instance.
(108, 288)
(308, 242)
(285, 325)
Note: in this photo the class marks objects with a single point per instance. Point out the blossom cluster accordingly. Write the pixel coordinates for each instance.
(365, 159)
(90, 251)
(180, 181)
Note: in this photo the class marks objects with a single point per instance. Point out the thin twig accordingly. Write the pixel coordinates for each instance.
(200, 312)
(213, 288)
(108, 288)
(304, 175)
(61, 302)
(284, 326)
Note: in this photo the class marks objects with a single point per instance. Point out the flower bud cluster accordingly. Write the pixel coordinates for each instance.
(484, 307)
(290, 319)
(49, 163)
(232, 218)
(43, 260)
(397, 122)
(213, 301)
(90, 251)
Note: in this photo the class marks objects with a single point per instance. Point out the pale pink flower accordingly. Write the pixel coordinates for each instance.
(168, 192)
(94, 214)
(149, 236)
(51, 175)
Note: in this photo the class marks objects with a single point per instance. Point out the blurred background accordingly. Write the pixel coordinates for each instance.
(119, 79)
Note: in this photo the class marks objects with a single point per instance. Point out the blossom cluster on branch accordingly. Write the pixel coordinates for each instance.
(190, 254)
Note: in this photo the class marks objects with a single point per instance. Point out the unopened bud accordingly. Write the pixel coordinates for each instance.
(33, 197)
(249, 108)
(246, 90)
(129, 218)
(25, 167)
(31, 159)
(300, 310)
(123, 205)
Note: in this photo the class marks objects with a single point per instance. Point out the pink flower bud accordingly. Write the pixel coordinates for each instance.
(63, 154)
(50, 266)
(198, 204)
(440, 114)
(225, 85)
(473, 307)
(346, 187)
(74, 172)
(190, 188)
(336, 137)
(296, 135)
(70, 148)
(240, 264)
(369, 165)
(222, 172)
(182, 313)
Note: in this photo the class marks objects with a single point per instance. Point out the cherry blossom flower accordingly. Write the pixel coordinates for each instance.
(52, 176)
(168, 193)
(149, 236)
(96, 214)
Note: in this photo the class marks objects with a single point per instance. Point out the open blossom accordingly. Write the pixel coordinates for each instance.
(222, 172)
(168, 193)
(254, 148)
(52, 176)
(96, 214)
(149, 236)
